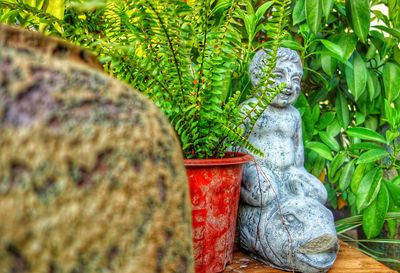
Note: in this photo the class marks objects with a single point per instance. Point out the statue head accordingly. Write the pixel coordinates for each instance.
(288, 70)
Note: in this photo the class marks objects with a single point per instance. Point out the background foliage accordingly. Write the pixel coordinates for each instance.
(351, 104)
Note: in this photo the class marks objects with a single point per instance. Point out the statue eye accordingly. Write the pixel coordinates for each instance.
(296, 79)
(290, 218)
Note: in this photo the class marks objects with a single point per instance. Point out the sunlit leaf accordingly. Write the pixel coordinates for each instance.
(394, 191)
(56, 8)
(329, 141)
(334, 48)
(336, 163)
(365, 133)
(346, 176)
(356, 78)
(320, 148)
(358, 12)
(372, 156)
(368, 188)
(391, 74)
(342, 110)
(298, 14)
(313, 9)
(327, 6)
(374, 215)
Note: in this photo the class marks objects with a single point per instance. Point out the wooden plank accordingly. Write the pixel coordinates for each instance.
(349, 260)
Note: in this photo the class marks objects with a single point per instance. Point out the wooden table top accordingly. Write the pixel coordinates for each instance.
(349, 260)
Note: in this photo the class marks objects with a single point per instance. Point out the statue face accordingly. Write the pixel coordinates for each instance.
(287, 72)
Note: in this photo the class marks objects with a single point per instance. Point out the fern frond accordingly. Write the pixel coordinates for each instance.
(265, 92)
(183, 58)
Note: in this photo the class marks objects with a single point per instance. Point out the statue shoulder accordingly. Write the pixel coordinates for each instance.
(294, 111)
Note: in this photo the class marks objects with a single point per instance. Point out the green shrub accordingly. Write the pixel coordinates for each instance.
(350, 109)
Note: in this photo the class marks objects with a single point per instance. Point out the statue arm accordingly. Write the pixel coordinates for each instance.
(299, 152)
(257, 186)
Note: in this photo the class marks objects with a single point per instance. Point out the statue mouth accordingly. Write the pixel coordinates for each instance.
(285, 94)
(320, 253)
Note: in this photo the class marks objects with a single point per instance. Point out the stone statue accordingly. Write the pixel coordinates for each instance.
(282, 219)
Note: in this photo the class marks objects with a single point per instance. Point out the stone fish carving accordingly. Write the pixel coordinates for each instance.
(282, 219)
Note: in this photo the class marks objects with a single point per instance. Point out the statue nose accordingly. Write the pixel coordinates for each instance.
(324, 243)
(288, 82)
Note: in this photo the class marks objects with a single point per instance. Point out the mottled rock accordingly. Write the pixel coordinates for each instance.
(91, 173)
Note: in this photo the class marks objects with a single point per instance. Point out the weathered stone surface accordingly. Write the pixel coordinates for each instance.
(91, 173)
(282, 219)
(32, 42)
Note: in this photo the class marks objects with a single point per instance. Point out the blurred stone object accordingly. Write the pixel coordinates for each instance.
(282, 218)
(91, 172)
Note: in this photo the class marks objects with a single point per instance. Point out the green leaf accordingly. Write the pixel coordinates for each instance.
(336, 163)
(327, 6)
(250, 24)
(365, 133)
(342, 110)
(360, 118)
(320, 148)
(328, 64)
(358, 11)
(325, 120)
(346, 176)
(295, 45)
(392, 226)
(316, 111)
(368, 188)
(389, 113)
(330, 141)
(391, 31)
(333, 55)
(391, 74)
(56, 8)
(332, 47)
(299, 14)
(356, 78)
(332, 197)
(394, 191)
(364, 146)
(334, 128)
(396, 180)
(307, 124)
(357, 177)
(262, 9)
(347, 41)
(313, 9)
(392, 135)
(374, 215)
(372, 156)
(373, 85)
(371, 122)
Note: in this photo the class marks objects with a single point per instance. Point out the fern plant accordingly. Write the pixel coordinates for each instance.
(191, 60)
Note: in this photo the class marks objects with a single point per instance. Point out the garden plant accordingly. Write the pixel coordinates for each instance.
(191, 60)
(350, 108)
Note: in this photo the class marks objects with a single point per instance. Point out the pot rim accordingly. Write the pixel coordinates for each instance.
(238, 158)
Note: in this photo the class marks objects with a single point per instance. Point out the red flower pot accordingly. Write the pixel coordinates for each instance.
(215, 192)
